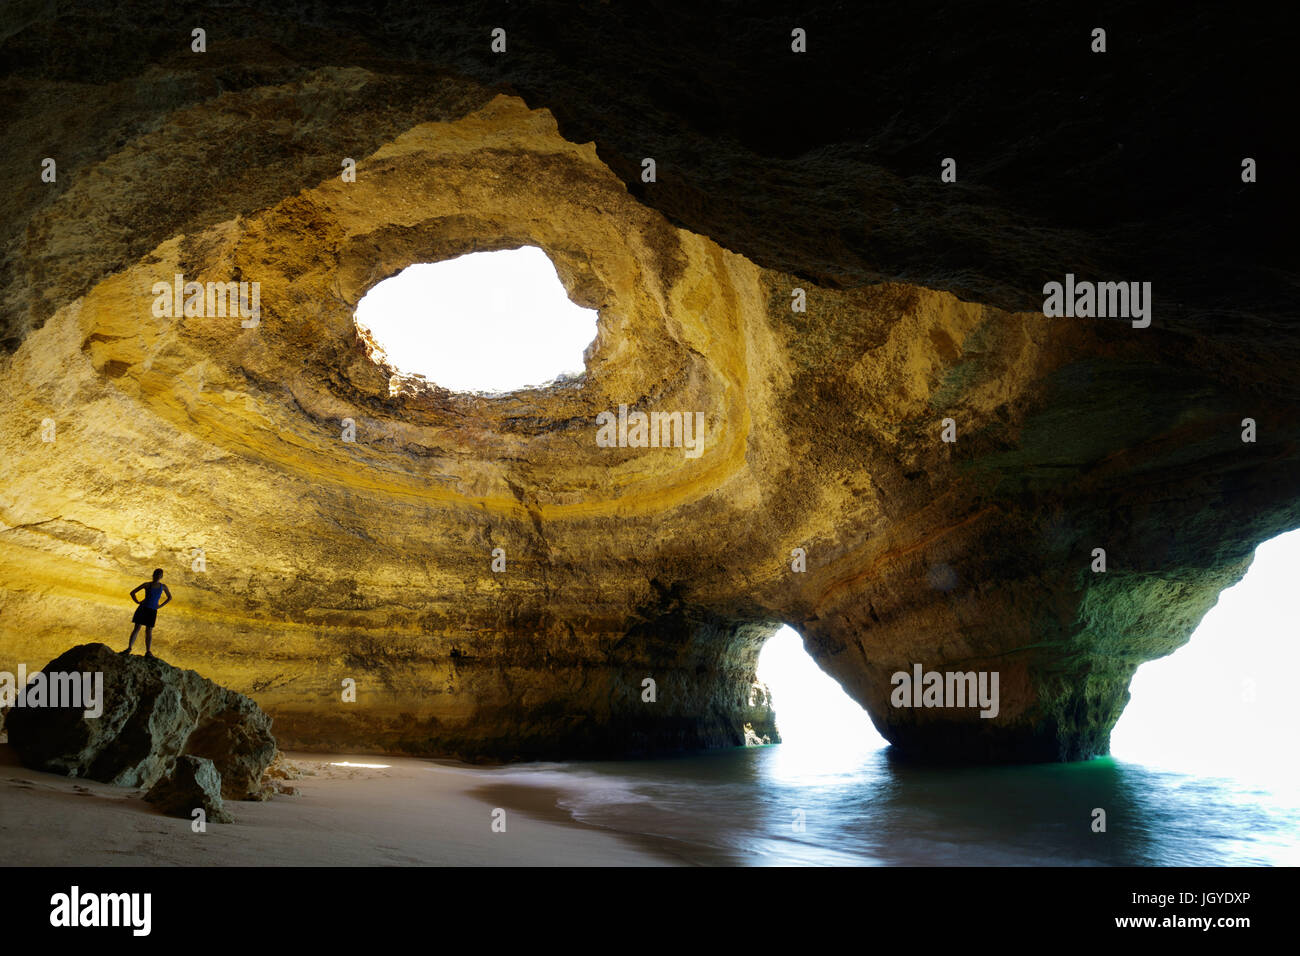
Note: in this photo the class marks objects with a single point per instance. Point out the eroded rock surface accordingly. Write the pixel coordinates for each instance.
(327, 562)
(276, 777)
(192, 783)
(151, 714)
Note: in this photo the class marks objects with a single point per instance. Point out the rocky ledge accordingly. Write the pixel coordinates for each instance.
(140, 722)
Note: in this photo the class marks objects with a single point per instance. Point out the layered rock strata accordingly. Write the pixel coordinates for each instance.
(348, 586)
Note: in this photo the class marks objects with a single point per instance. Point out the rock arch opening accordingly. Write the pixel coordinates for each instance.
(485, 322)
(1222, 703)
(813, 713)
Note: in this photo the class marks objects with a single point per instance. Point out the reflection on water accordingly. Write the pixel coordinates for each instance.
(1206, 774)
(743, 806)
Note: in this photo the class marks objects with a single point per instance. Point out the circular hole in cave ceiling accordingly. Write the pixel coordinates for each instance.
(482, 322)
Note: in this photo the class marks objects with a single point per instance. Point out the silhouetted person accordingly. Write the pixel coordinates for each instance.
(146, 615)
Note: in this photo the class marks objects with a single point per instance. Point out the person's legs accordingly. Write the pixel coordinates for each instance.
(148, 642)
(134, 632)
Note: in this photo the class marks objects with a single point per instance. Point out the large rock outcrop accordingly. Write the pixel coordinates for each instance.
(303, 563)
(151, 713)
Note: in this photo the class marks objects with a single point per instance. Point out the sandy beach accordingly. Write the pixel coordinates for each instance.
(410, 813)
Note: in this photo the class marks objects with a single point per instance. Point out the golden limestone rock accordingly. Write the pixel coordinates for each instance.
(899, 455)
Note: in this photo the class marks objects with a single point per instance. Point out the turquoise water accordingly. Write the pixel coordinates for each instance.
(739, 807)
(1204, 774)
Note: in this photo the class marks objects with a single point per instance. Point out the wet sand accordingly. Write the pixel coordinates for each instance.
(410, 813)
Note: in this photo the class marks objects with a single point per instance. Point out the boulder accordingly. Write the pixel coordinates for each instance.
(152, 713)
(192, 784)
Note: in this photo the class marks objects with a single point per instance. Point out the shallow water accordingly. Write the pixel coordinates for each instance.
(867, 808)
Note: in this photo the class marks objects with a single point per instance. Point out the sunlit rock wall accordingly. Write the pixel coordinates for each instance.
(489, 579)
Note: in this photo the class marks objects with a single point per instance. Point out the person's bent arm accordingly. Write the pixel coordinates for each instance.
(133, 597)
(169, 597)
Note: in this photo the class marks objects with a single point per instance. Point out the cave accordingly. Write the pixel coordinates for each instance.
(901, 454)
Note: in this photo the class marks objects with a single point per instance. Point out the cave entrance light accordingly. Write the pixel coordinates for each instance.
(1223, 705)
(482, 322)
(822, 728)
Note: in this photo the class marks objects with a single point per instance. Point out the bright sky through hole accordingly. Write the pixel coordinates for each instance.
(1221, 705)
(482, 322)
(1224, 703)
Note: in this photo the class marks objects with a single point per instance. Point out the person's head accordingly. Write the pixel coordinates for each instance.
(157, 574)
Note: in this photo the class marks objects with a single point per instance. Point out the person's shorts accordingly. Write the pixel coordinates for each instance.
(148, 616)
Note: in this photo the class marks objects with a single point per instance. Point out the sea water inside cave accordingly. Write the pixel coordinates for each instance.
(1202, 771)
